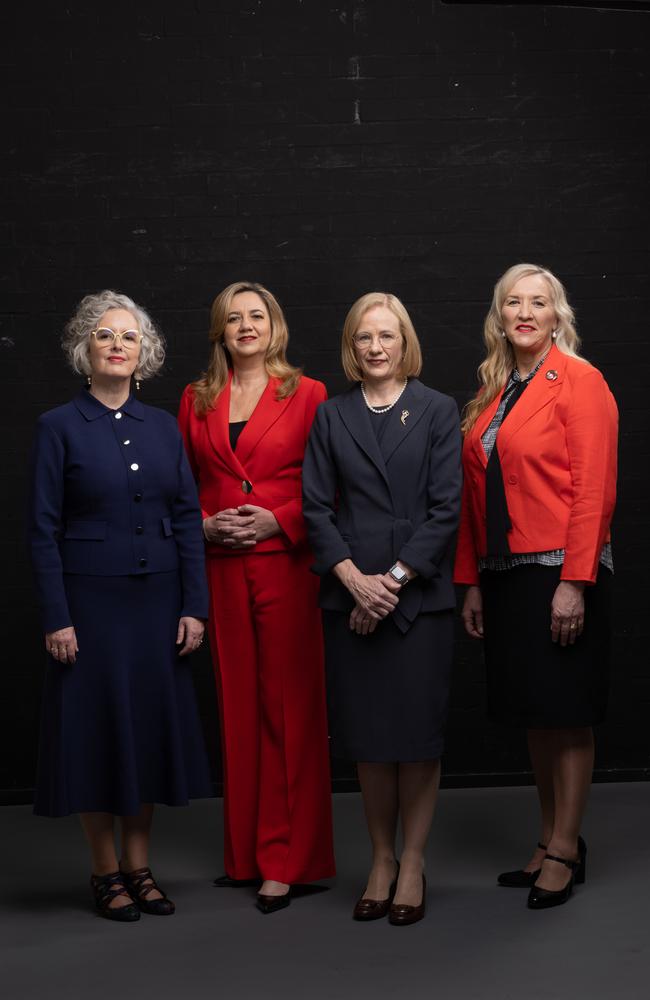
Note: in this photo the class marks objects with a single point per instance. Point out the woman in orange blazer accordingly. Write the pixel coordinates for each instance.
(539, 460)
(245, 424)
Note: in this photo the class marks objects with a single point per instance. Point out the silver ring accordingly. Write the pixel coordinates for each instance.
(572, 625)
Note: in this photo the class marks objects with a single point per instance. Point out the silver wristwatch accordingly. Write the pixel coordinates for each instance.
(398, 575)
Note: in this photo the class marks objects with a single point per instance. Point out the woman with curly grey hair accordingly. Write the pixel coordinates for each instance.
(117, 549)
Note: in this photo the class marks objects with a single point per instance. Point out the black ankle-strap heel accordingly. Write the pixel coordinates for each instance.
(140, 884)
(542, 899)
(106, 888)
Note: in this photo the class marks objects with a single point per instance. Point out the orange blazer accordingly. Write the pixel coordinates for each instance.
(266, 468)
(558, 457)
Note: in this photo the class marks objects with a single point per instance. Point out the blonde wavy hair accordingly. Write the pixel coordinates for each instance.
(493, 372)
(411, 364)
(208, 387)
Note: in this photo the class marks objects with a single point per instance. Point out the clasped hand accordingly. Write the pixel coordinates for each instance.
(241, 527)
(376, 595)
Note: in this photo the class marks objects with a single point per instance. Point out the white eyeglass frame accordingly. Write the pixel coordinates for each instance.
(107, 329)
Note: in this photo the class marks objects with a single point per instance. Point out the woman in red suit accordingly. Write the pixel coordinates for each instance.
(245, 424)
(534, 549)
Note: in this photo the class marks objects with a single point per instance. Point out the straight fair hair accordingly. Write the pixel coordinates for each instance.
(212, 382)
(411, 364)
(494, 370)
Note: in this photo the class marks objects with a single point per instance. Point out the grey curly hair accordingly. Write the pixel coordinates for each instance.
(76, 336)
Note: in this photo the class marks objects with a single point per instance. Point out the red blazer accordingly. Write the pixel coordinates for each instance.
(558, 456)
(269, 457)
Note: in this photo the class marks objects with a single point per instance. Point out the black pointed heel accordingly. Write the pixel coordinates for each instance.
(520, 879)
(106, 888)
(271, 904)
(542, 899)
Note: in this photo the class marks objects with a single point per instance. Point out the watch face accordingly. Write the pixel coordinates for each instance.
(398, 574)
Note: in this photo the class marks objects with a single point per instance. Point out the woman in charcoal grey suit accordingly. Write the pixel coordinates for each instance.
(381, 484)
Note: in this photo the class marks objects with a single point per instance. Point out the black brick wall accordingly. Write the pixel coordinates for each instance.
(326, 149)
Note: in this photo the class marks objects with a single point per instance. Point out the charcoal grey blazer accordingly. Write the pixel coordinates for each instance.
(376, 504)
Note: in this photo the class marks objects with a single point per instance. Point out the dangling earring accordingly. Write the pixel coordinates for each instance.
(89, 380)
(503, 334)
(137, 383)
(554, 335)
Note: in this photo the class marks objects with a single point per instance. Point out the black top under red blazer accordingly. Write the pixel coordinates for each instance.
(376, 505)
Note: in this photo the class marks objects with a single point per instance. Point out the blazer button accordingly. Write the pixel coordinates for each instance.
(513, 480)
(246, 486)
(134, 466)
(118, 415)
(139, 530)
(142, 562)
(137, 497)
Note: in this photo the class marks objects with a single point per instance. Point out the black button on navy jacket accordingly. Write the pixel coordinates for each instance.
(112, 495)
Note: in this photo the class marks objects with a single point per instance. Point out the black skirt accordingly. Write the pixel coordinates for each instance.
(532, 681)
(120, 726)
(388, 692)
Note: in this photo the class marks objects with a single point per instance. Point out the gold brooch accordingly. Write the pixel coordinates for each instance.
(405, 414)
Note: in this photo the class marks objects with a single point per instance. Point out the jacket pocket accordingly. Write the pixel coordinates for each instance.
(94, 531)
(167, 529)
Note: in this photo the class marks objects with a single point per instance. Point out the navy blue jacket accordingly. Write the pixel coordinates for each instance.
(112, 495)
(377, 504)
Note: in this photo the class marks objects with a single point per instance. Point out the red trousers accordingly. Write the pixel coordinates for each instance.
(265, 634)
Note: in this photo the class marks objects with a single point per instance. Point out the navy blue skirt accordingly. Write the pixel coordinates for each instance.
(120, 726)
(388, 691)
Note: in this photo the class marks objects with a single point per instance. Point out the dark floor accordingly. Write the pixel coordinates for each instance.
(477, 941)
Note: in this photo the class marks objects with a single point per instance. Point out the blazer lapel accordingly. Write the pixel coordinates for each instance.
(356, 418)
(268, 410)
(218, 432)
(410, 407)
(541, 391)
(481, 425)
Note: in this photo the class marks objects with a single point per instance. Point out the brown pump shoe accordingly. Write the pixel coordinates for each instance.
(401, 914)
(375, 909)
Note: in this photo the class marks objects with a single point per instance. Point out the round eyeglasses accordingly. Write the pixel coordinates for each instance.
(386, 340)
(105, 337)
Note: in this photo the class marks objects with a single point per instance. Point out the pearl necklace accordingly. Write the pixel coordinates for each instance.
(383, 409)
